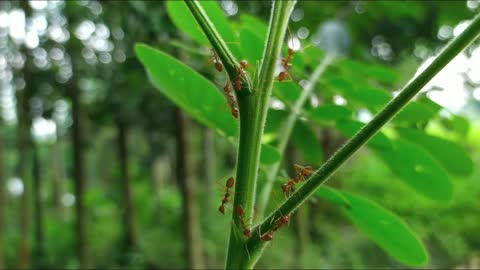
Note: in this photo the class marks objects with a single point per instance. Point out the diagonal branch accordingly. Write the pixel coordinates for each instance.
(255, 244)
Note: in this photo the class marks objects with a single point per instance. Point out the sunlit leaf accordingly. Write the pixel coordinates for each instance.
(415, 112)
(386, 229)
(418, 169)
(451, 155)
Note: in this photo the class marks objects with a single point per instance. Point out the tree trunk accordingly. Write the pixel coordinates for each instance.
(3, 200)
(208, 164)
(38, 213)
(79, 177)
(128, 213)
(58, 175)
(23, 169)
(184, 172)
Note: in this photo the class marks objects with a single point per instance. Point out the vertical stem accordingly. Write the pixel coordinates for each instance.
(253, 112)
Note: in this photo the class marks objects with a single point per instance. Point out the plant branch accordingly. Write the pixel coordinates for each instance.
(255, 244)
(226, 56)
(288, 128)
(253, 109)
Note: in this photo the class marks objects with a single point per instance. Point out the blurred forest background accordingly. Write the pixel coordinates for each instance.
(99, 169)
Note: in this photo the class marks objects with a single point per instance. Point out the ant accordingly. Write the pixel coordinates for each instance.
(229, 185)
(286, 64)
(231, 100)
(241, 216)
(240, 74)
(302, 172)
(214, 58)
(282, 221)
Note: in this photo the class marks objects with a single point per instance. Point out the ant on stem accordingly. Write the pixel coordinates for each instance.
(279, 223)
(241, 72)
(302, 172)
(228, 185)
(215, 59)
(241, 215)
(231, 100)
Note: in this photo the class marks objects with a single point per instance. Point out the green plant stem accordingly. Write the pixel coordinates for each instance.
(255, 244)
(219, 45)
(287, 131)
(253, 110)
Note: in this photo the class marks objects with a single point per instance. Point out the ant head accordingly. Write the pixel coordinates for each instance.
(291, 51)
(227, 89)
(240, 211)
(230, 182)
(218, 66)
(244, 64)
(267, 237)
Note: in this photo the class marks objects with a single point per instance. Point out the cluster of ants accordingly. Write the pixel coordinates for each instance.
(241, 72)
(287, 189)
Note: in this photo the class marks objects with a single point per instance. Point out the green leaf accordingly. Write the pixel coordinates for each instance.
(366, 95)
(371, 71)
(415, 112)
(330, 112)
(307, 143)
(255, 25)
(269, 154)
(188, 89)
(386, 229)
(457, 124)
(349, 127)
(184, 20)
(451, 155)
(252, 46)
(372, 97)
(418, 169)
(332, 195)
(288, 92)
(275, 120)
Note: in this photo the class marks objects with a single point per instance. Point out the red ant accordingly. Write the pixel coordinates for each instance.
(214, 58)
(282, 221)
(231, 100)
(241, 216)
(229, 185)
(302, 172)
(286, 64)
(240, 74)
